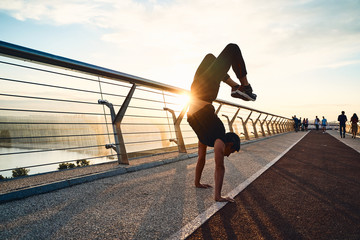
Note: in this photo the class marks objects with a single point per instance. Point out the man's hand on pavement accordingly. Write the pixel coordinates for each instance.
(203, 185)
(225, 199)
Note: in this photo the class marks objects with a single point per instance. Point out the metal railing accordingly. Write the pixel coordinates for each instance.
(57, 110)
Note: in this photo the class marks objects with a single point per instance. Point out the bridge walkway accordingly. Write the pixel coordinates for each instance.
(161, 202)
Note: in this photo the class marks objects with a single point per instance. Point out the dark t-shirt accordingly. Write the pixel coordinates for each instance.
(207, 126)
(342, 119)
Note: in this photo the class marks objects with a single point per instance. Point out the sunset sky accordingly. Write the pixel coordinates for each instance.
(302, 57)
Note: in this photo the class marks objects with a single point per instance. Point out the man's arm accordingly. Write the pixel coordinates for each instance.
(219, 148)
(200, 166)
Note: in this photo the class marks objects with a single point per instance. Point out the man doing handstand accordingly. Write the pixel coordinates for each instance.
(201, 115)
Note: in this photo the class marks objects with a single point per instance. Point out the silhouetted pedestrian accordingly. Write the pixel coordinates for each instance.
(296, 123)
(354, 127)
(306, 124)
(342, 121)
(317, 122)
(324, 124)
(303, 124)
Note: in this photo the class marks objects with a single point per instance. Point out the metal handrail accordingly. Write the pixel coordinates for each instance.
(23, 53)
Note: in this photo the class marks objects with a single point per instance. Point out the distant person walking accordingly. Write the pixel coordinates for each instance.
(303, 125)
(317, 122)
(354, 126)
(306, 124)
(324, 124)
(342, 121)
(296, 123)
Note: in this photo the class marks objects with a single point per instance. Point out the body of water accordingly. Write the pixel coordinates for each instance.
(20, 160)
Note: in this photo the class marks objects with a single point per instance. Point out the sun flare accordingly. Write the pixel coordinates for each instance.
(184, 99)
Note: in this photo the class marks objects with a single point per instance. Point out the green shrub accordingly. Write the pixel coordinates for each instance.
(82, 163)
(19, 172)
(79, 163)
(71, 165)
(66, 166)
(62, 166)
(4, 178)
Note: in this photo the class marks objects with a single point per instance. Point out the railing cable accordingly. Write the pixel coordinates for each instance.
(103, 106)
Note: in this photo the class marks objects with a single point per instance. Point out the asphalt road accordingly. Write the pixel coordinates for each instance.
(312, 192)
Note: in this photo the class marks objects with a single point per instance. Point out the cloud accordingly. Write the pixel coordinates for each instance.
(342, 64)
(157, 39)
(202, 22)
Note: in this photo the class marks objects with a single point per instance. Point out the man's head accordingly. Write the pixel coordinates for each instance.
(232, 143)
(342, 112)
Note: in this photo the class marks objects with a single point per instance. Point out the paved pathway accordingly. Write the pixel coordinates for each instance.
(154, 203)
(312, 192)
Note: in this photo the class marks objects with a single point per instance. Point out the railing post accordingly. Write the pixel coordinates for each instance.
(254, 132)
(290, 125)
(177, 120)
(280, 128)
(262, 126)
(282, 125)
(246, 133)
(116, 123)
(272, 125)
(218, 109)
(277, 126)
(231, 122)
(268, 125)
(254, 126)
(285, 125)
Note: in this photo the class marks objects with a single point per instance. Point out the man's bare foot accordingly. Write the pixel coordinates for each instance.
(203, 185)
(224, 199)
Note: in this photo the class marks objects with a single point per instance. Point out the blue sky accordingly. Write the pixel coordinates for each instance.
(302, 57)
